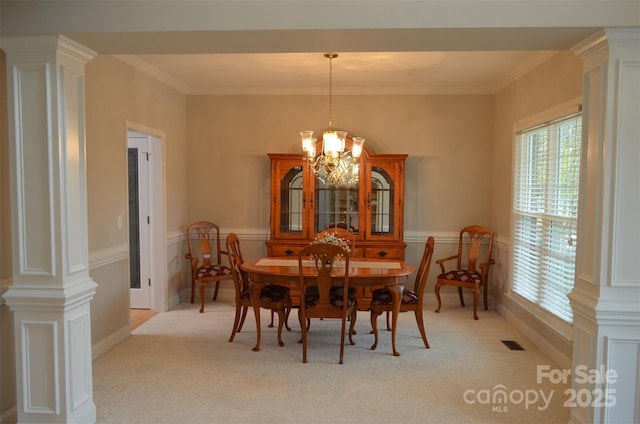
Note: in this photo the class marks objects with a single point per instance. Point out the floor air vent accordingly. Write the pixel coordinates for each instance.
(512, 345)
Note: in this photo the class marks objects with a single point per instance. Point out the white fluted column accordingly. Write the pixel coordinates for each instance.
(51, 289)
(606, 296)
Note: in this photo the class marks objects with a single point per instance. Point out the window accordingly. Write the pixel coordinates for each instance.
(545, 210)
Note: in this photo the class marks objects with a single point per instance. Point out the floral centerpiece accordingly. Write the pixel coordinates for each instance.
(331, 238)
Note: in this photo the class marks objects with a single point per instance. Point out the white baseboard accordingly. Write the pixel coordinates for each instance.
(522, 323)
(110, 342)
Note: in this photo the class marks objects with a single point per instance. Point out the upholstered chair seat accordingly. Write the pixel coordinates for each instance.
(383, 297)
(268, 294)
(214, 271)
(462, 275)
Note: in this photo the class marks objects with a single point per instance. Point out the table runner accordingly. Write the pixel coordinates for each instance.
(352, 264)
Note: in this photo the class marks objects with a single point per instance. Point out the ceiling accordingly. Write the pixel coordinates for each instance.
(432, 72)
(276, 47)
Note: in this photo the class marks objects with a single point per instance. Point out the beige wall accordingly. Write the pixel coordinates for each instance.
(448, 140)
(554, 82)
(116, 93)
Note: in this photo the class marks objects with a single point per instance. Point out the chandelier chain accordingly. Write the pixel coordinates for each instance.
(331, 56)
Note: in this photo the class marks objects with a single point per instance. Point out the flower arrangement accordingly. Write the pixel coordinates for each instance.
(331, 238)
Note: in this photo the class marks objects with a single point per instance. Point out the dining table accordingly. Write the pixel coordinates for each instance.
(367, 272)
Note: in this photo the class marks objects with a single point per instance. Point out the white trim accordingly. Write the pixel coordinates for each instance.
(439, 236)
(110, 341)
(343, 91)
(246, 233)
(145, 68)
(4, 287)
(523, 324)
(544, 317)
(75, 50)
(566, 108)
(262, 234)
(523, 69)
(176, 237)
(108, 256)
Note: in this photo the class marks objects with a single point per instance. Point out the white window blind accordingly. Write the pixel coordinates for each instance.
(545, 193)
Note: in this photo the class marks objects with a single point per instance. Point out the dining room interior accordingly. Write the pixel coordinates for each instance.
(426, 117)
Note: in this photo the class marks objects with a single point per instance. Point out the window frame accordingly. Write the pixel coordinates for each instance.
(557, 324)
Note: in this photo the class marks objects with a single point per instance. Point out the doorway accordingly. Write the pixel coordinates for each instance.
(146, 221)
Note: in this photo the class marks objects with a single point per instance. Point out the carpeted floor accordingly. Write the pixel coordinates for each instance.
(179, 368)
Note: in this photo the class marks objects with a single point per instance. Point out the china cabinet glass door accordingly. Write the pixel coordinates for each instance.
(336, 207)
(293, 199)
(383, 201)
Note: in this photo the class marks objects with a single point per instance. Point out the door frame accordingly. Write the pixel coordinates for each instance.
(140, 297)
(157, 213)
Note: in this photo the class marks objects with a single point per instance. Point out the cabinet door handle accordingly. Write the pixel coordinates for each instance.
(288, 252)
(368, 200)
(304, 200)
(382, 253)
(311, 201)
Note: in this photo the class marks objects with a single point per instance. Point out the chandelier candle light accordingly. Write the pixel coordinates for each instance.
(335, 166)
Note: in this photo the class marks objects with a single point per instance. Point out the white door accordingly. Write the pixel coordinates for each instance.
(139, 220)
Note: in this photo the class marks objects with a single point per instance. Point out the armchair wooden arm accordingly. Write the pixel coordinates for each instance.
(484, 267)
(442, 261)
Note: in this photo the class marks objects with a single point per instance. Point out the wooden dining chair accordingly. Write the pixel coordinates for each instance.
(412, 300)
(205, 254)
(323, 295)
(273, 297)
(471, 266)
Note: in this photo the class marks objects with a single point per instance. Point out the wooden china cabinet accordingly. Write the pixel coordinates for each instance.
(373, 209)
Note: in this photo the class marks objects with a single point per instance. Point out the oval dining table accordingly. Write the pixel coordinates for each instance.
(283, 271)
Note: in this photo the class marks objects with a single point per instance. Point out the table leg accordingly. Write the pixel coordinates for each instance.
(256, 289)
(396, 296)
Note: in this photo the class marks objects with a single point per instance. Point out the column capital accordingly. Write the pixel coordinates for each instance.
(607, 37)
(46, 44)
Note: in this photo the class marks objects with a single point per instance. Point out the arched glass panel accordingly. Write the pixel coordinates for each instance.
(291, 217)
(381, 202)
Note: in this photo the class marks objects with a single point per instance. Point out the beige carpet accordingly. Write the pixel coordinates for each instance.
(179, 368)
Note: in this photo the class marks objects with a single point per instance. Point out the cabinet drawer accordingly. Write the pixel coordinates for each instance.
(383, 253)
(284, 251)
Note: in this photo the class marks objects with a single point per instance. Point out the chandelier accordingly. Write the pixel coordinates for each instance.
(335, 167)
